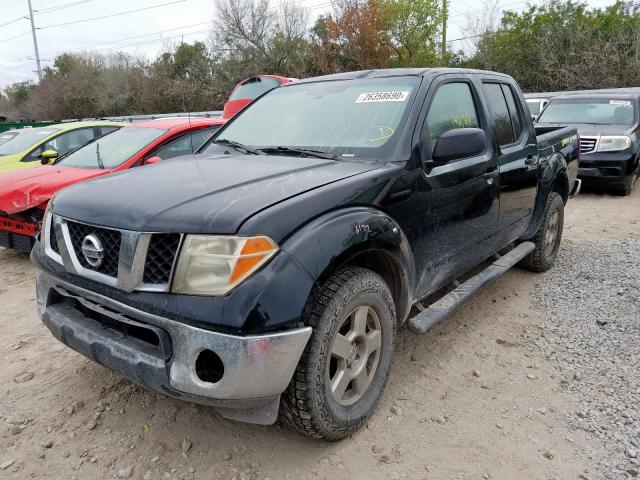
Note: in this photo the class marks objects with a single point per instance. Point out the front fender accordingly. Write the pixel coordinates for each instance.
(330, 241)
(554, 170)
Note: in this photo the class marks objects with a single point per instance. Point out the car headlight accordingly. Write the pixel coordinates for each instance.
(214, 265)
(46, 219)
(613, 143)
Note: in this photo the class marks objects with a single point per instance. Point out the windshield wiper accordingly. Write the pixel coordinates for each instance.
(98, 157)
(301, 151)
(237, 146)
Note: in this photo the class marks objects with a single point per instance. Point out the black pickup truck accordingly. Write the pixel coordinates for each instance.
(267, 275)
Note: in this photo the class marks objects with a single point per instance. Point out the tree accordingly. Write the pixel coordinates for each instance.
(565, 46)
(414, 27)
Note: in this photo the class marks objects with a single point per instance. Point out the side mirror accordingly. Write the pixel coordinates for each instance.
(459, 143)
(46, 156)
(151, 160)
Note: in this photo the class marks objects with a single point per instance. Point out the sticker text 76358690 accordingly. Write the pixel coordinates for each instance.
(370, 97)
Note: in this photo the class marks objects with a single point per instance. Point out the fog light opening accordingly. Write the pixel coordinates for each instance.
(209, 367)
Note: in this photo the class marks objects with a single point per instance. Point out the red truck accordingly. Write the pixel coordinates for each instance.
(24, 194)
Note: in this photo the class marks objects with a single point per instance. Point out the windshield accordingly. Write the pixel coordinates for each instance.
(25, 139)
(534, 106)
(112, 150)
(594, 111)
(348, 118)
(6, 136)
(253, 88)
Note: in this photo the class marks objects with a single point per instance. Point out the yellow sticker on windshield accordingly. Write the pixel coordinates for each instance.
(373, 97)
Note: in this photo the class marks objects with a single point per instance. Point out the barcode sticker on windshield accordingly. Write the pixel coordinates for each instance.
(382, 97)
(620, 102)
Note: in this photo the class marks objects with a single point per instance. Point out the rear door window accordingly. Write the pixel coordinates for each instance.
(514, 113)
(499, 113)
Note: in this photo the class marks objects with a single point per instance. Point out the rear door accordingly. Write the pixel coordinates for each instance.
(514, 138)
(457, 201)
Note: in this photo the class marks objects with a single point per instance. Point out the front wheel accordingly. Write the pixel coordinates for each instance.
(547, 238)
(629, 182)
(344, 368)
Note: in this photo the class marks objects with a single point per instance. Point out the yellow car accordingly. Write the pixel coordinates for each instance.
(34, 146)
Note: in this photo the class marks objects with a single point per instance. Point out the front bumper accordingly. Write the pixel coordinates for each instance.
(17, 235)
(606, 168)
(243, 378)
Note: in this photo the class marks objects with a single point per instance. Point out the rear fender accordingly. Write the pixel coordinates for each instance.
(333, 240)
(554, 170)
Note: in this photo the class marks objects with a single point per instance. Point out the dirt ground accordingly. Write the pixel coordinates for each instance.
(470, 400)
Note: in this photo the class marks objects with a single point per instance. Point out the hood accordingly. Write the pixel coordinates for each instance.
(12, 162)
(198, 194)
(26, 189)
(234, 106)
(589, 130)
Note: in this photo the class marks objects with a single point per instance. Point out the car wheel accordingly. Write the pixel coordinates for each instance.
(547, 238)
(344, 368)
(630, 182)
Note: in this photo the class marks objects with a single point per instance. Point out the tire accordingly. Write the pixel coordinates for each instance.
(546, 242)
(629, 183)
(308, 404)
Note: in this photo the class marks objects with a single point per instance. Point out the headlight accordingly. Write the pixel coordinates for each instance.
(613, 144)
(46, 219)
(214, 265)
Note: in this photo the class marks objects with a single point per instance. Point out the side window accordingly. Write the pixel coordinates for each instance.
(104, 130)
(452, 107)
(202, 136)
(499, 113)
(63, 143)
(516, 119)
(185, 145)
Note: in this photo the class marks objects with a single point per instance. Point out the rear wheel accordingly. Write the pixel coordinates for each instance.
(345, 366)
(547, 238)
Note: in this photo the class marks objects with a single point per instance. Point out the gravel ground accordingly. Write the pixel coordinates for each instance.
(591, 332)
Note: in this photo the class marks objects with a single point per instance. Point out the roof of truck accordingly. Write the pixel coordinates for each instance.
(394, 72)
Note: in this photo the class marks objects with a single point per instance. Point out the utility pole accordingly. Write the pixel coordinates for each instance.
(444, 29)
(35, 41)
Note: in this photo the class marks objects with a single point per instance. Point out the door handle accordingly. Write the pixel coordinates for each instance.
(490, 175)
(530, 160)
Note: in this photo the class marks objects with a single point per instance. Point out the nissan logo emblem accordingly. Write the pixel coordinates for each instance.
(92, 250)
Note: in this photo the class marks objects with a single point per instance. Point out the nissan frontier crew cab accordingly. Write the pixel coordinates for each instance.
(267, 275)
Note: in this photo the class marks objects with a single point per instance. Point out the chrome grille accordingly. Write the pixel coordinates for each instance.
(110, 240)
(588, 144)
(161, 255)
(131, 260)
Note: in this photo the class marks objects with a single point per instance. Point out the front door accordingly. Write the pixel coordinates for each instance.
(457, 201)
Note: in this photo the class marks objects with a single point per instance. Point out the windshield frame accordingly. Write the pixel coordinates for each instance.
(414, 96)
(95, 141)
(594, 100)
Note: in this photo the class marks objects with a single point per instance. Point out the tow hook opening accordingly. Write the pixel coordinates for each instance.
(209, 367)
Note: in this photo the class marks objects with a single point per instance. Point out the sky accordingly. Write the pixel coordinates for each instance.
(71, 25)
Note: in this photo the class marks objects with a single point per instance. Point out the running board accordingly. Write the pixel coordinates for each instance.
(438, 310)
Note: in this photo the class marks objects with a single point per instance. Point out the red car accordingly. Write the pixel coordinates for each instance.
(250, 89)
(24, 194)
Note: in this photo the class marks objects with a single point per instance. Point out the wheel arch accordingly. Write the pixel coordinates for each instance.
(360, 237)
(554, 178)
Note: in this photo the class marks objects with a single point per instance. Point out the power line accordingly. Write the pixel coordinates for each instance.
(111, 15)
(17, 36)
(55, 8)
(11, 21)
